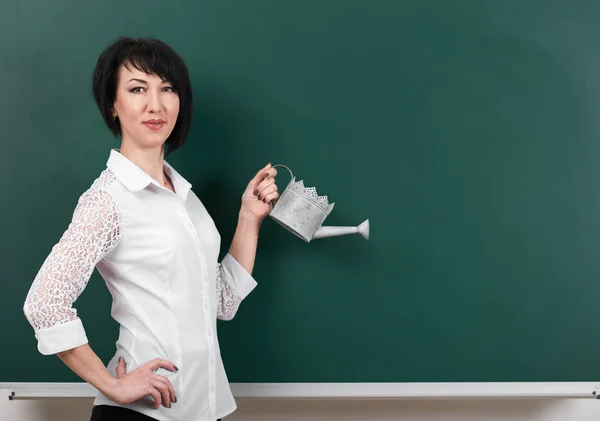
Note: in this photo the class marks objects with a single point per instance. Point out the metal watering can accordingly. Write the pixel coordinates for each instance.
(301, 211)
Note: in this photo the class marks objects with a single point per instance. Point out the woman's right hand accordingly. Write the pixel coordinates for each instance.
(144, 381)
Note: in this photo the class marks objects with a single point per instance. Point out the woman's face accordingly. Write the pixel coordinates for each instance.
(146, 106)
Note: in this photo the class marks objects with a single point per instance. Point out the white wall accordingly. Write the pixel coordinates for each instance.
(338, 410)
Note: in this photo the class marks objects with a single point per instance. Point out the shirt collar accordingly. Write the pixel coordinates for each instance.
(135, 179)
(182, 186)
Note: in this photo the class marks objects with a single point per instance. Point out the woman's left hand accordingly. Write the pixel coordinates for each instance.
(261, 191)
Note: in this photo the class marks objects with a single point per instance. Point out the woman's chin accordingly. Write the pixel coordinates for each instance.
(151, 142)
(147, 140)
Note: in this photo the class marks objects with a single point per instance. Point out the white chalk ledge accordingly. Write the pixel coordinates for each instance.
(346, 390)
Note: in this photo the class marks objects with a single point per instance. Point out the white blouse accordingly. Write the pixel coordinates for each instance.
(158, 254)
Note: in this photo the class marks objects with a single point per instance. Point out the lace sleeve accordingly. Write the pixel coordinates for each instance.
(228, 301)
(94, 230)
(234, 283)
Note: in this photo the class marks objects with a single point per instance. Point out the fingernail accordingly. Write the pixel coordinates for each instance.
(265, 175)
(176, 369)
(256, 192)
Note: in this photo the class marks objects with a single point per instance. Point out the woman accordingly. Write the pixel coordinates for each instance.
(156, 247)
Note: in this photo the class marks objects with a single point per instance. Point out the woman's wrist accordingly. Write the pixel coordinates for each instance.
(249, 223)
(108, 386)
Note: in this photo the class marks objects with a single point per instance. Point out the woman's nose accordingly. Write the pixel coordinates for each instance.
(154, 102)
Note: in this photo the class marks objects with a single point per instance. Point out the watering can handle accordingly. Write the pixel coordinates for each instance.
(291, 175)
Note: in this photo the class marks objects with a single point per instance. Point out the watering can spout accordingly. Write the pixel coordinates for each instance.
(362, 229)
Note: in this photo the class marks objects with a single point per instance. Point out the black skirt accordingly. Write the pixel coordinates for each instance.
(117, 413)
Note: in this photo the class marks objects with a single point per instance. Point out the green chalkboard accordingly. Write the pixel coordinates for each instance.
(466, 131)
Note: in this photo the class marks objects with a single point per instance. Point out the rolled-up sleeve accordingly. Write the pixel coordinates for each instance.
(234, 283)
(93, 232)
(61, 337)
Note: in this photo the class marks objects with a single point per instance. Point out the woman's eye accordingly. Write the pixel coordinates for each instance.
(169, 89)
(136, 90)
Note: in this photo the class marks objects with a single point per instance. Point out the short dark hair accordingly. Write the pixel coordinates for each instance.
(150, 56)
